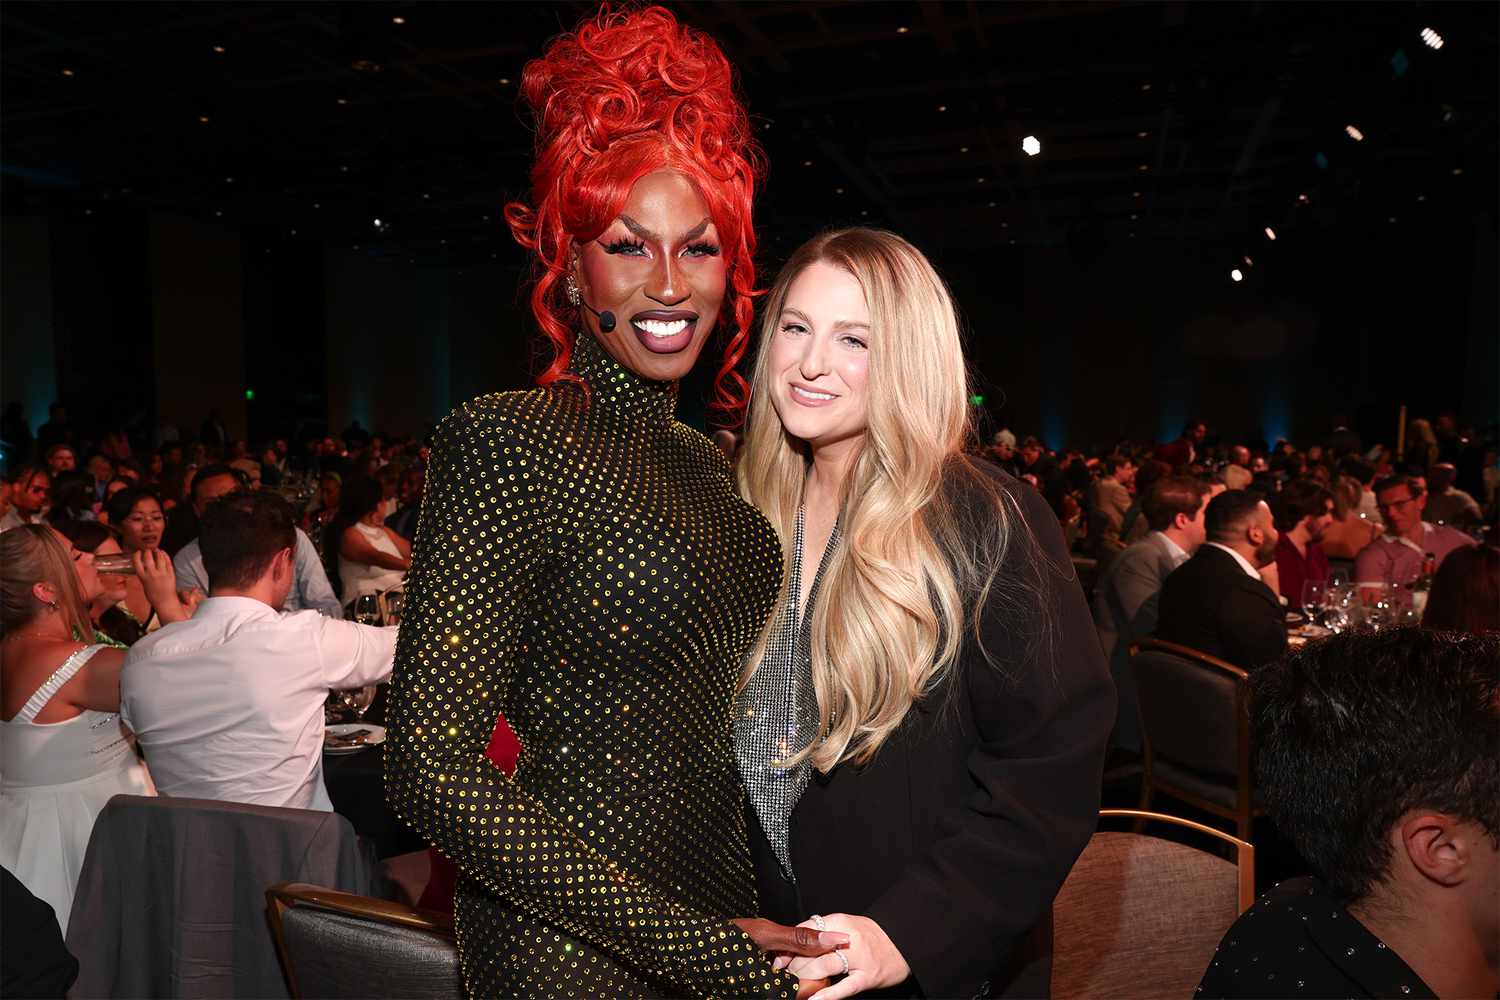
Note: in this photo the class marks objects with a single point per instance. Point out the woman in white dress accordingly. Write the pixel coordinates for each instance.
(371, 557)
(63, 753)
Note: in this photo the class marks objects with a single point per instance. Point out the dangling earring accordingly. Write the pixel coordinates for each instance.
(572, 291)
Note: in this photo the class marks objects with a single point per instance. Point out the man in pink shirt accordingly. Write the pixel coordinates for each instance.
(1397, 556)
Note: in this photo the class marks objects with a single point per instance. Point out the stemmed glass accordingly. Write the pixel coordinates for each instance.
(367, 610)
(1314, 599)
(394, 602)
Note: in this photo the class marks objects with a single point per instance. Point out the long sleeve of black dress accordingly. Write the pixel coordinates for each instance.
(583, 565)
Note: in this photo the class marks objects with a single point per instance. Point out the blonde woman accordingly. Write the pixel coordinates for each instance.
(63, 753)
(923, 726)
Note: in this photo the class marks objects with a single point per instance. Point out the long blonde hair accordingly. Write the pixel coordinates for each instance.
(31, 554)
(912, 572)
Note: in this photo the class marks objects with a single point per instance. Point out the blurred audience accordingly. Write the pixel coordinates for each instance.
(366, 556)
(1397, 556)
(64, 752)
(1127, 596)
(29, 488)
(229, 705)
(1218, 602)
(1304, 512)
(310, 588)
(1378, 756)
(135, 516)
(1465, 595)
(1447, 504)
(1109, 499)
(1350, 531)
(61, 458)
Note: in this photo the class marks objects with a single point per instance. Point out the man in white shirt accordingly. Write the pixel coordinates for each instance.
(228, 705)
(1125, 600)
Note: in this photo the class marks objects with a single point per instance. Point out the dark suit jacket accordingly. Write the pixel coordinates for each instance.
(958, 835)
(1211, 604)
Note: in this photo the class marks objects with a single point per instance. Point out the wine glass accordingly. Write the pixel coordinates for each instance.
(358, 700)
(1314, 597)
(367, 610)
(394, 602)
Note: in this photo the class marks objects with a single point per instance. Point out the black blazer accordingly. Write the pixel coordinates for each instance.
(1211, 604)
(958, 835)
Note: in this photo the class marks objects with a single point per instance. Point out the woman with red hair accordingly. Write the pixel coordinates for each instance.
(584, 566)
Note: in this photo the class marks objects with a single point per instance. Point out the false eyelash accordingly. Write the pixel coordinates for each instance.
(705, 248)
(621, 245)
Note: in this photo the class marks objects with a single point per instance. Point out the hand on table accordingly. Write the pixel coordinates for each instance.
(873, 959)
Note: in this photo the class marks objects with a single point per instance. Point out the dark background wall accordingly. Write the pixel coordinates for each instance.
(155, 317)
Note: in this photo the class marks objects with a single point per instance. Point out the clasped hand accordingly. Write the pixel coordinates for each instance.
(873, 959)
(788, 943)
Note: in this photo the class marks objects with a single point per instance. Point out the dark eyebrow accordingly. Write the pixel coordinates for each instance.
(646, 234)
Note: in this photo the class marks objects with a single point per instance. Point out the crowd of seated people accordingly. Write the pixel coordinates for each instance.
(1197, 540)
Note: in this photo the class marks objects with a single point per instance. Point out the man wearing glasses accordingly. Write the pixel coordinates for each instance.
(1397, 556)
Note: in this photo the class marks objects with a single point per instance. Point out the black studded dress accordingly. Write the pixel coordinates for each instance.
(583, 565)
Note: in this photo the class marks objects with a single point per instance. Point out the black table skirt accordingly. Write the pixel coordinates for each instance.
(356, 785)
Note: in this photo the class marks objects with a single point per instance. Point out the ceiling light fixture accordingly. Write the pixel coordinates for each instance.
(942, 107)
(398, 20)
(203, 119)
(1143, 167)
(902, 30)
(963, 149)
(1236, 275)
(505, 81)
(1031, 145)
(1270, 234)
(219, 49)
(1432, 38)
(1142, 135)
(67, 72)
(1354, 133)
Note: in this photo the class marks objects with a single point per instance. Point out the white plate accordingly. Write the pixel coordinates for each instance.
(374, 737)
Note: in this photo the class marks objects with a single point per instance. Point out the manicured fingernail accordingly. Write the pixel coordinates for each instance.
(832, 939)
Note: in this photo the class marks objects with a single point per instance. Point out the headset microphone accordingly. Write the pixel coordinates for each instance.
(606, 318)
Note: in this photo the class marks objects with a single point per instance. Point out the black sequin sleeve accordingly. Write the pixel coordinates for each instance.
(487, 530)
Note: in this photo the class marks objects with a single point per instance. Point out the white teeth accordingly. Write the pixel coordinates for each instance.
(806, 394)
(659, 328)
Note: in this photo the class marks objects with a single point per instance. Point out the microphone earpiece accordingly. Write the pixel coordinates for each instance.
(606, 322)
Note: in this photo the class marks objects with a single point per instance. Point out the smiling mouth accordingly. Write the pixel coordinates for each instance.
(664, 331)
(811, 397)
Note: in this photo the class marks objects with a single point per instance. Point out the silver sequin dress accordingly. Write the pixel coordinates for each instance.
(583, 565)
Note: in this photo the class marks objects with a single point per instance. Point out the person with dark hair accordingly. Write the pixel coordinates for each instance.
(30, 492)
(1378, 756)
(1218, 602)
(1446, 503)
(135, 516)
(1135, 526)
(73, 499)
(1397, 557)
(408, 503)
(61, 458)
(229, 704)
(310, 588)
(112, 624)
(1465, 595)
(1304, 512)
(362, 553)
(1109, 500)
(1127, 597)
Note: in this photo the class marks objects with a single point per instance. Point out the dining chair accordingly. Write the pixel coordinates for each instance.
(1140, 916)
(1195, 731)
(341, 945)
(171, 897)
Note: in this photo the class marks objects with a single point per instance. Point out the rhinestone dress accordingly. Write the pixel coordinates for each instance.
(583, 565)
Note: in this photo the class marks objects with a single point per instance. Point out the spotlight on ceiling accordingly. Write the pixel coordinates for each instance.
(1432, 38)
(1248, 261)
(398, 20)
(219, 49)
(1236, 275)
(1354, 133)
(1031, 145)
(902, 30)
(1270, 234)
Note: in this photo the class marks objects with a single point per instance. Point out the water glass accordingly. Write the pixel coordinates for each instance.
(114, 562)
(1314, 598)
(394, 602)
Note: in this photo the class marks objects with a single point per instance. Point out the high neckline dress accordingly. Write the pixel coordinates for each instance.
(584, 565)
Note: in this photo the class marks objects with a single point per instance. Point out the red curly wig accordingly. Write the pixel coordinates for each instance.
(627, 93)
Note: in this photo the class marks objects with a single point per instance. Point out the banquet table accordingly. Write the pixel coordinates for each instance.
(356, 785)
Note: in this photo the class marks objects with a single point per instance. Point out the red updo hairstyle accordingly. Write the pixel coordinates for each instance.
(627, 93)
